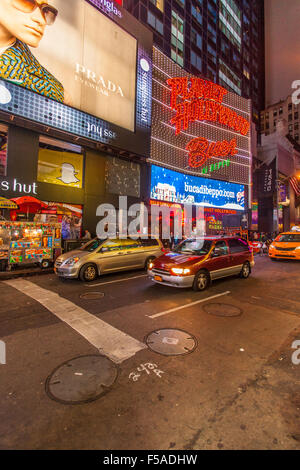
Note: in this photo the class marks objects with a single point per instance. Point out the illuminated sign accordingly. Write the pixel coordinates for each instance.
(172, 186)
(202, 101)
(12, 184)
(77, 79)
(198, 126)
(108, 6)
(201, 149)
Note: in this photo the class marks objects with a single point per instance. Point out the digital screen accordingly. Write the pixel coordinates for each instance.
(172, 186)
(171, 150)
(89, 72)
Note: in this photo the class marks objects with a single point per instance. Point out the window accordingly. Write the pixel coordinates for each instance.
(155, 23)
(296, 126)
(229, 78)
(230, 22)
(196, 13)
(280, 110)
(238, 246)
(159, 4)
(196, 60)
(211, 54)
(290, 117)
(196, 38)
(177, 39)
(3, 150)
(275, 113)
(296, 115)
(221, 248)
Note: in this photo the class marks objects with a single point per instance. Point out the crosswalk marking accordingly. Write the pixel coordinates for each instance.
(110, 341)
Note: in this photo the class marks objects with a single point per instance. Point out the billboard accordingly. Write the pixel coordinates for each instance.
(172, 186)
(199, 127)
(88, 56)
(62, 168)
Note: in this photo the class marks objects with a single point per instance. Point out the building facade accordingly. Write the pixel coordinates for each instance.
(201, 152)
(80, 136)
(284, 110)
(221, 40)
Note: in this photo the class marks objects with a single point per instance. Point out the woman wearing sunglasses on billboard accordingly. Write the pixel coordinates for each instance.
(22, 24)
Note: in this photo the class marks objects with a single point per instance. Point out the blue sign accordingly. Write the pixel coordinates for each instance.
(172, 186)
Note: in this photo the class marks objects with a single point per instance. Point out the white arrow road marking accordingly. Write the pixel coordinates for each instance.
(110, 341)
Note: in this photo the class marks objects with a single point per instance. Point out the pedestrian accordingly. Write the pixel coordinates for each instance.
(87, 235)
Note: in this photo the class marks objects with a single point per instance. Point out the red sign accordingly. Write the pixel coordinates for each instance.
(201, 149)
(202, 101)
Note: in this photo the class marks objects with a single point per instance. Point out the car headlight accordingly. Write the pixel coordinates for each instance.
(180, 271)
(273, 247)
(150, 265)
(71, 261)
(298, 248)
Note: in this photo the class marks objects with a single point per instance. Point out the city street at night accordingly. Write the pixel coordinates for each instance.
(226, 381)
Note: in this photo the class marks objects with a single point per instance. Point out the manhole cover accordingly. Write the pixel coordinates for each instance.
(92, 295)
(81, 380)
(222, 310)
(171, 342)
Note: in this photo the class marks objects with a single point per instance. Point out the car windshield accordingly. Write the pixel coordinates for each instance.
(289, 238)
(195, 247)
(92, 245)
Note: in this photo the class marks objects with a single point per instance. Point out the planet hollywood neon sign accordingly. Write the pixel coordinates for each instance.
(201, 100)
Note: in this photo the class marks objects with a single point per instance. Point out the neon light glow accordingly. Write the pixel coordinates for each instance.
(205, 105)
(200, 150)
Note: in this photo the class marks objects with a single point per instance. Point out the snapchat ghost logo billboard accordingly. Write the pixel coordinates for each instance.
(63, 168)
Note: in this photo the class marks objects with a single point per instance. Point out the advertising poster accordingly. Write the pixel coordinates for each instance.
(62, 168)
(82, 59)
(172, 186)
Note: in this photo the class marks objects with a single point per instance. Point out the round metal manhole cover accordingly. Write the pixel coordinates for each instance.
(92, 295)
(171, 342)
(81, 380)
(222, 310)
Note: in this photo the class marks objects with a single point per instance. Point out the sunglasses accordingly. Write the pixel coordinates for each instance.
(28, 6)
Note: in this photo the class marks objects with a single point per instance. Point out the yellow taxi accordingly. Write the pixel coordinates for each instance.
(285, 246)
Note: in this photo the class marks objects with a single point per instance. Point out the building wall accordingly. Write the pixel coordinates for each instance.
(22, 166)
(203, 57)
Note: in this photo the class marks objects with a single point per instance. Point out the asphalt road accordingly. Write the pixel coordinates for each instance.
(238, 389)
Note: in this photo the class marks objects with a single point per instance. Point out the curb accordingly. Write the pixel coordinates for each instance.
(4, 276)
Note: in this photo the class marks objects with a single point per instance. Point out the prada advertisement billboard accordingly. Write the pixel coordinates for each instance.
(82, 55)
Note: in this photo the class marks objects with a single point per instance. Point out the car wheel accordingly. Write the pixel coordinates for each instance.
(201, 281)
(246, 270)
(148, 261)
(88, 273)
(45, 264)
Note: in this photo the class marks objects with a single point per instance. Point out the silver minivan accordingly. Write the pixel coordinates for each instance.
(105, 256)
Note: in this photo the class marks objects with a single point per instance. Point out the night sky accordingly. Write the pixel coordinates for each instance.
(282, 29)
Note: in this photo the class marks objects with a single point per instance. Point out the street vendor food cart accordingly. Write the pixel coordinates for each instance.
(29, 243)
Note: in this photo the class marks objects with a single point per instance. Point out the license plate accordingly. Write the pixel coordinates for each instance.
(158, 278)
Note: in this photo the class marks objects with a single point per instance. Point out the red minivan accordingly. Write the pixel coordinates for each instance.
(196, 262)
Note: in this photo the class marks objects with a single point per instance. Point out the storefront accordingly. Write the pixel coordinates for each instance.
(200, 146)
(81, 136)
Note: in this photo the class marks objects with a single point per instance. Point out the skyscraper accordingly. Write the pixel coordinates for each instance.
(221, 40)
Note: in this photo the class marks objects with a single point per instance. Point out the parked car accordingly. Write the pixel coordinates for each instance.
(285, 246)
(105, 256)
(196, 262)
